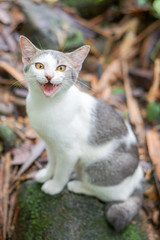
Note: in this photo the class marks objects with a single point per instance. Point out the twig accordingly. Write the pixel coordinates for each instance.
(155, 86)
(11, 213)
(35, 153)
(135, 115)
(147, 31)
(5, 197)
(14, 72)
(111, 73)
(1, 194)
(153, 142)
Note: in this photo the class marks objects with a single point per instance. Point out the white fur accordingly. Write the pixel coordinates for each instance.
(63, 122)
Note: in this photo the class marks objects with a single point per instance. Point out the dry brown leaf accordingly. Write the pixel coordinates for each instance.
(20, 155)
(152, 193)
(1, 204)
(156, 215)
(134, 111)
(31, 134)
(147, 31)
(155, 86)
(153, 142)
(5, 196)
(111, 73)
(14, 72)
(19, 133)
(11, 213)
(148, 174)
(127, 48)
(94, 82)
(17, 17)
(106, 93)
(34, 154)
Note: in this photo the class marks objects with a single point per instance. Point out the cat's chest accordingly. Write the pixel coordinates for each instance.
(49, 120)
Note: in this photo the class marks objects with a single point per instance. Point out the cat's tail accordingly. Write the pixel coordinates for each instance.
(120, 214)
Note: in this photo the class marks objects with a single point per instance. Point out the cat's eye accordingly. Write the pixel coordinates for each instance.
(61, 68)
(39, 65)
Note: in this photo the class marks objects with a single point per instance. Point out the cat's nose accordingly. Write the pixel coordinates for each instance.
(49, 77)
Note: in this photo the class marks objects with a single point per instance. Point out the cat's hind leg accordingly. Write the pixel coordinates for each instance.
(43, 175)
(120, 214)
(79, 187)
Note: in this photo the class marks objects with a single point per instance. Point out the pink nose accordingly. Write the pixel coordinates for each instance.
(49, 77)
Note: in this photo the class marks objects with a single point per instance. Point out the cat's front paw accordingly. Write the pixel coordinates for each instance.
(50, 188)
(42, 176)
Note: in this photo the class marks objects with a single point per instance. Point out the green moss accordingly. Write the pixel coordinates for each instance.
(153, 111)
(32, 204)
(7, 137)
(65, 216)
(76, 39)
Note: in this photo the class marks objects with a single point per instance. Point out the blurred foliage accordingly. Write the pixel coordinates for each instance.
(153, 111)
(156, 7)
(118, 90)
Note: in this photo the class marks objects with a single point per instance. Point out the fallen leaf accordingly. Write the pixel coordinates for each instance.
(5, 195)
(14, 72)
(153, 142)
(155, 86)
(31, 134)
(152, 193)
(134, 110)
(35, 153)
(111, 73)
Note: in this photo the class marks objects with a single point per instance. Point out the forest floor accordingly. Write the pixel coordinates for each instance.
(124, 72)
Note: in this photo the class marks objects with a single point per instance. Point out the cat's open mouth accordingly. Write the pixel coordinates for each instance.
(48, 88)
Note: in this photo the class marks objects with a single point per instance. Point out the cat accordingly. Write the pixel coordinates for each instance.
(82, 134)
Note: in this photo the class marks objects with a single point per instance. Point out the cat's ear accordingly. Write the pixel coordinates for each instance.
(28, 49)
(78, 56)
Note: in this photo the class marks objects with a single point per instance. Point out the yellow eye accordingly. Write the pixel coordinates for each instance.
(61, 68)
(39, 65)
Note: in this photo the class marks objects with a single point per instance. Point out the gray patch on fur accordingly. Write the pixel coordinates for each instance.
(27, 67)
(107, 124)
(115, 168)
(119, 215)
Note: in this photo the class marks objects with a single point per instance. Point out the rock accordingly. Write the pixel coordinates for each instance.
(65, 216)
(49, 26)
(89, 8)
(7, 137)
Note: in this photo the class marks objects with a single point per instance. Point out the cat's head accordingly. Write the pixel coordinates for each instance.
(52, 71)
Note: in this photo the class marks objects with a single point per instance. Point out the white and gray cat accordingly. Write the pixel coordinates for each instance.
(82, 135)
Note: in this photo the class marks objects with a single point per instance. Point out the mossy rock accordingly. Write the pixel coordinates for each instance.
(65, 216)
(48, 28)
(7, 138)
(90, 8)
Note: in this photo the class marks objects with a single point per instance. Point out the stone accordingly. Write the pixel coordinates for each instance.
(49, 27)
(7, 137)
(66, 216)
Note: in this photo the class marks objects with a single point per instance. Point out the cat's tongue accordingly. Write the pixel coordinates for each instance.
(49, 89)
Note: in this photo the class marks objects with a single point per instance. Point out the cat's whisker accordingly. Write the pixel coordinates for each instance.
(84, 84)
